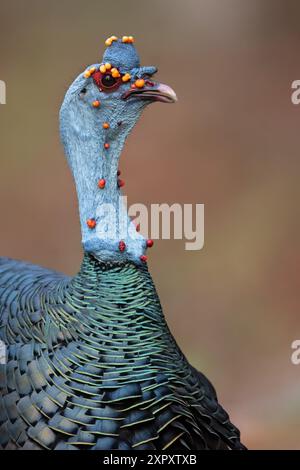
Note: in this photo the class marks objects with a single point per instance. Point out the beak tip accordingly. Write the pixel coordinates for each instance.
(168, 91)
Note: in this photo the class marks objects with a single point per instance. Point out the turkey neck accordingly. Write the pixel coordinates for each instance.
(93, 154)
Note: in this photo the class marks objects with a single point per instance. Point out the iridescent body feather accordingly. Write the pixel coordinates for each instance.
(92, 364)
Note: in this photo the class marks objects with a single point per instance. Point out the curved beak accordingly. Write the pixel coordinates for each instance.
(152, 91)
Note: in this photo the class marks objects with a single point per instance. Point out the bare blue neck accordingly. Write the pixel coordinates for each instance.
(84, 139)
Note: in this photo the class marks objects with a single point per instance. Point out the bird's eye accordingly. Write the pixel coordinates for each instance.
(105, 81)
(108, 80)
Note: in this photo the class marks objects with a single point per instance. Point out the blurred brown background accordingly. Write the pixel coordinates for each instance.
(231, 142)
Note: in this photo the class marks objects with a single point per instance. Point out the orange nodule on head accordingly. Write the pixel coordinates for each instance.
(110, 40)
(126, 77)
(140, 83)
(144, 258)
(89, 72)
(105, 125)
(106, 145)
(115, 73)
(101, 183)
(96, 103)
(128, 39)
(91, 223)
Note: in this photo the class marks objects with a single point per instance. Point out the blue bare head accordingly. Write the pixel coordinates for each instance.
(99, 110)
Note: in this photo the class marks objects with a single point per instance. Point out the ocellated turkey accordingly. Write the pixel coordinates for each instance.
(91, 363)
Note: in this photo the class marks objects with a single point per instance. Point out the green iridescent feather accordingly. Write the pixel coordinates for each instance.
(92, 364)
